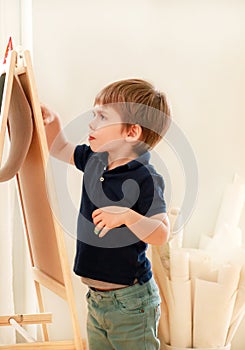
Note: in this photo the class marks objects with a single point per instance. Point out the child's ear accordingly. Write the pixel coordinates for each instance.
(134, 133)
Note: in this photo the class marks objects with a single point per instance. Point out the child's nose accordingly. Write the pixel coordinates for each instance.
(92, 125)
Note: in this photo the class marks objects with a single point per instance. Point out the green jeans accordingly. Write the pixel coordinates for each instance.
(125, 319)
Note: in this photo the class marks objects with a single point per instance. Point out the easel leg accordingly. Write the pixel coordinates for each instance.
(41, 309)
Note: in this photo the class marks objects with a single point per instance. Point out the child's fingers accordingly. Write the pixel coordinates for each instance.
(97, 219)
(48, 120)
(98, 228)
(103, 232)
(95, 213)
(48, 116)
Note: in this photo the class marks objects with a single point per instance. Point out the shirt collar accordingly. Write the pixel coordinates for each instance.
(143, 159)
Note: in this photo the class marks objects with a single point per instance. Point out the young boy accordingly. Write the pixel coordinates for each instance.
(122, 210)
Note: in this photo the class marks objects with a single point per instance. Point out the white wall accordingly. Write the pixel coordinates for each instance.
(192, 50)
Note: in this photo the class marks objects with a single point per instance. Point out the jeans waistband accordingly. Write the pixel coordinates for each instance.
(147, 287)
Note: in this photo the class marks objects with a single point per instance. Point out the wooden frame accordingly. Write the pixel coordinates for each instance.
(45, 238)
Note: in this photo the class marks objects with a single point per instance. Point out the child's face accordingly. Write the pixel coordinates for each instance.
(106, 130)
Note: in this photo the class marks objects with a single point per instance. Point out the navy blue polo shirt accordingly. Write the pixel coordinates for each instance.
(118, 257)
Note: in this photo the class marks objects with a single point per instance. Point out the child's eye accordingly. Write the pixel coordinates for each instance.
(98, 114)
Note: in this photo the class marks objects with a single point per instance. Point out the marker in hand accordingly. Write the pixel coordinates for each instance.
(96, 231)
(101, 232)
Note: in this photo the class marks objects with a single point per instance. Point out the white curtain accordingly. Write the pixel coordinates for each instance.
(24, 300)
(7, 335)
(17, 294)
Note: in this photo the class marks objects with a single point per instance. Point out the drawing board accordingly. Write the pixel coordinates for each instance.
(21, 115)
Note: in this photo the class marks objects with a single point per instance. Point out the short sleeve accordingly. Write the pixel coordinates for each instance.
(81, 156)
(151, 200)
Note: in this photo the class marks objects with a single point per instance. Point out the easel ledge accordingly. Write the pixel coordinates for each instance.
(45, 317)
(56, 345)
(41, 318)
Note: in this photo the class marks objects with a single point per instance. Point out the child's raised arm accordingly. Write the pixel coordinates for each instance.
(57, 143)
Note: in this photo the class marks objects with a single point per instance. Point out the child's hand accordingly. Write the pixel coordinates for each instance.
(53, 128)
(107, 218)
(48, 115)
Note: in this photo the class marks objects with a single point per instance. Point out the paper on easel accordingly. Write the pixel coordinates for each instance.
(231, 207)
(19, 114)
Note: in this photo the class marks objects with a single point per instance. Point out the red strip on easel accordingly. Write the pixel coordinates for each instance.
(8, 48)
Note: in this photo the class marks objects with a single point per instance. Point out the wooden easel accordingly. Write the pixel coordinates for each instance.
(45, 237)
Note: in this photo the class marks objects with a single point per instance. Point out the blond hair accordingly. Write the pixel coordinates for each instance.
(139, 103)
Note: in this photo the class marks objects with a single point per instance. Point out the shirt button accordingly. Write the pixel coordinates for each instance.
(102, 179)
(99, 297)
